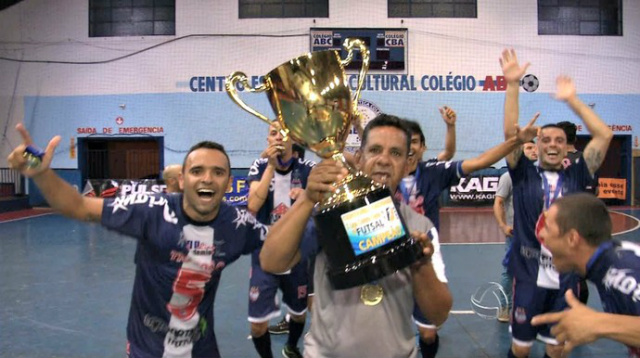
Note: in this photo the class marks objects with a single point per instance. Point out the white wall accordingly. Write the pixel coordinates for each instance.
(153, 82)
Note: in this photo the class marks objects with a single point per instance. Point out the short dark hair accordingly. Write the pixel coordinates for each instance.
(551, 125)
(570, 130)
(298, 149)
(386, 120)
(585, 213)
(206, 144)
(414, 128)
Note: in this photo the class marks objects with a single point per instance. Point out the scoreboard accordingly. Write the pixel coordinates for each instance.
(388, 47)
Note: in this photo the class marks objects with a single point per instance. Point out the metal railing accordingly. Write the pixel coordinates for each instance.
(11, 182)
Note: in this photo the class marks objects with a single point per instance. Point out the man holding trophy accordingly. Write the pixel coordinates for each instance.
(342, 318)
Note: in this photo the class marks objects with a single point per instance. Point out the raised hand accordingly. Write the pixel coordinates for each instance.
(17, 159)
(321, 178)
(511, 70)
(529, 132)
(565, 88)
(448, 115)
(272, 152)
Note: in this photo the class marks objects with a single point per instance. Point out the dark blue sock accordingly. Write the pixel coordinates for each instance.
(295, 331)
(263, 345)
(429, 350)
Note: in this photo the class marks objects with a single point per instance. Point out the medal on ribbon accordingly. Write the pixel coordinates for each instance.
(371, 294)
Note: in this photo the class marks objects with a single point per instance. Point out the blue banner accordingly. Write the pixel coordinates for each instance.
(238, 193)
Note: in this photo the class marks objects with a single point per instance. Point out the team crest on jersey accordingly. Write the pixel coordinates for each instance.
(254, 293)
(296, 181)
(520, 315)
(302, 292)
(277, 212)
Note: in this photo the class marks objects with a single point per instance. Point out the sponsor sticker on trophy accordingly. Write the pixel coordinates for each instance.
(372, 226)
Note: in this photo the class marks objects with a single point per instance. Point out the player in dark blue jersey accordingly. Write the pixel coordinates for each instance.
(421, 190)
(577, 231)
(537, 286)
(184, 243)
(573, 155)
(429, 339)
(275, 182)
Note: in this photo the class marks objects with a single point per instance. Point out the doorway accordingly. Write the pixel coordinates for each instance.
(120, 158)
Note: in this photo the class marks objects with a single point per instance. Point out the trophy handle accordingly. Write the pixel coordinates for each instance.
(339, 157)
(230, 86)
(349, 45)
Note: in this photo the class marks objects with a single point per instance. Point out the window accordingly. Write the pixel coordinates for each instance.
(432, 8)
(109, 18)
(250, 9)
(580, 17)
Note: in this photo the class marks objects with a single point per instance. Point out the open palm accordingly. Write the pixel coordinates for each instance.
(565, 88)
(511, 70)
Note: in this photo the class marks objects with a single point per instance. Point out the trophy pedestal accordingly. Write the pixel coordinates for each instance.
(355, 258)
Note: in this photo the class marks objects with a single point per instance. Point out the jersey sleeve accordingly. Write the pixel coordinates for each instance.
(518, 172)
(130, 215)
(257, 169)
(445, 174)
(309, 246)
(582, 170)
(250, 229)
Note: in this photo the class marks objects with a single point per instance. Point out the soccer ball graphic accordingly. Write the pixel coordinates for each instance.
(530, 83)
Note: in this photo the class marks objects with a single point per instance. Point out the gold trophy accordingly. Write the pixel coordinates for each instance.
(360, 228)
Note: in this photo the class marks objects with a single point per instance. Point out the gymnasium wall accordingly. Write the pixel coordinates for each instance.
(57, 80)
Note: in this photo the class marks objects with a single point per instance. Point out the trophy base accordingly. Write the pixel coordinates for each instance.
(356, 259)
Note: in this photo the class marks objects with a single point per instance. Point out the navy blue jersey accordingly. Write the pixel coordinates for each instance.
(422, 190)
(572, 158)
(278, 201)
(529, 261)
(178, 268)
(294, 177)
(615, 270)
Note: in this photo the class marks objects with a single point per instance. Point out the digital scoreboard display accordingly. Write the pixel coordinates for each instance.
(388, 47)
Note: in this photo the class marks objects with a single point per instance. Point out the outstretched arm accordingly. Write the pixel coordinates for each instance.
(58, 193)
(512, 72)
(449, 117)
(281, 249)
(498, 152)
(601, 134)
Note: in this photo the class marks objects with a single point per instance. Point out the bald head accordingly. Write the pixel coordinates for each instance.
(170, 175)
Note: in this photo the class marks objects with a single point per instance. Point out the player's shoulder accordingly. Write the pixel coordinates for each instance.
(258, 166)
(260, 162)
(306, 163)
(629, 254)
